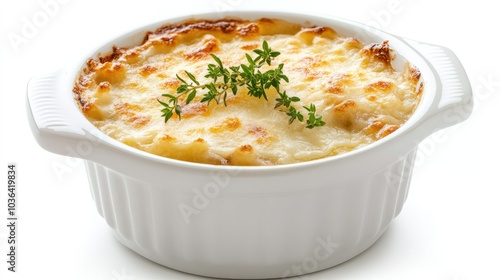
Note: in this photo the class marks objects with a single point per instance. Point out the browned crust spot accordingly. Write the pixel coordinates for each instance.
(194, 109)
(131, 55)
(229, 124)
(310, 61)
(223, 25)
(112, 72)
(115, 54)
(378, 129)
(249, 47)
(167, 40)
(309, 72)
(104, 86)
(84, 81)
(147, 70)
(266, 20)
(261, 133)
(380, 52)
(168, 138)
(246, 148)
(171, 83)
(344, 105)
(354, 43)
(335, 89)
(414, 74)
(309, 68)
(128, 111)
(420, 88)
(308, 34)
(386, 130)
(125, 107)
(380, 86)
(320, 30)
(210, 45)
(91, 64)
(82, 103)
(336, 83)
(248, 30)
(138, 121)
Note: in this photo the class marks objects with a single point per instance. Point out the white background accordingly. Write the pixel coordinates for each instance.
(448, 229)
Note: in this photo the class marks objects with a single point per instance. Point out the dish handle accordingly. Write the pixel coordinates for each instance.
(55, 124)
(454, 102)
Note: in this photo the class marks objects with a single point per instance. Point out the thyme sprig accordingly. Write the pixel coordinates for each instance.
(224, 81)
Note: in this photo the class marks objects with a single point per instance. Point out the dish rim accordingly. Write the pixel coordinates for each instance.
(416, 119)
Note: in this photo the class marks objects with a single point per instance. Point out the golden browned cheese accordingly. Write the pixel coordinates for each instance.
(361, 97)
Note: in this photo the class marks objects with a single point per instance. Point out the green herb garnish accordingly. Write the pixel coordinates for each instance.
(226, 81)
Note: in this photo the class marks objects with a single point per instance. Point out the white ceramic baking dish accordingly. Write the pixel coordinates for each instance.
(252, 222)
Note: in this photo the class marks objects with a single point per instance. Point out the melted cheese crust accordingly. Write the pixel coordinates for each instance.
(361, 97)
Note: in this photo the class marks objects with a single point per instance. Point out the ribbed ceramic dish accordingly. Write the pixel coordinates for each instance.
(252, 222)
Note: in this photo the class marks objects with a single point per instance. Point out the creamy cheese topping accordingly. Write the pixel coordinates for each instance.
(361, 97)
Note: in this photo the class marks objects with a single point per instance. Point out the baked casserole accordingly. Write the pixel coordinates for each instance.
(360, 95)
